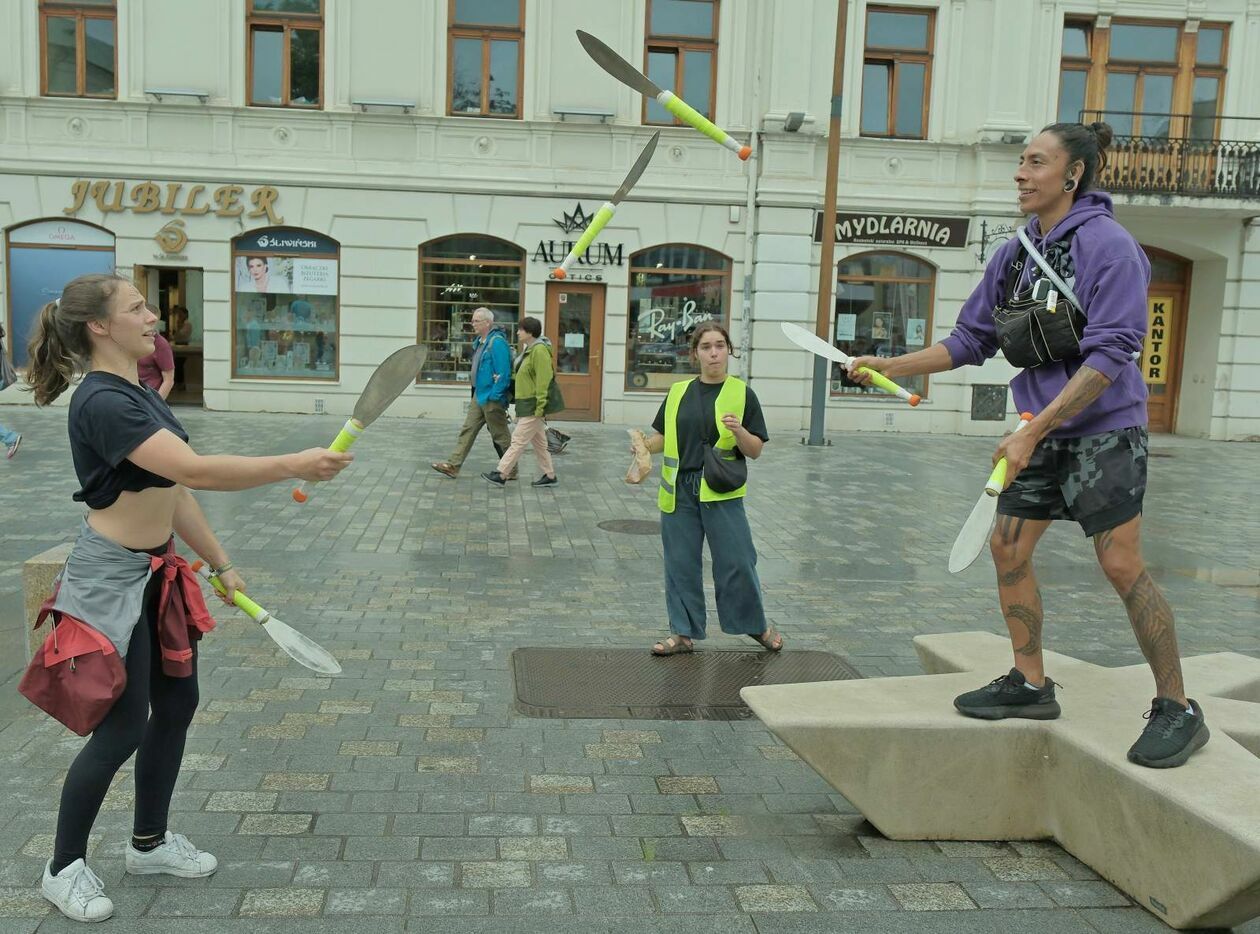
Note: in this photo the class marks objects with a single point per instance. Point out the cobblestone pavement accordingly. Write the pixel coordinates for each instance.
(407, 794)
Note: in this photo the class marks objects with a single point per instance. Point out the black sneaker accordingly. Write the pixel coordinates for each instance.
(545, 480)
(1009, 696)
(1171, 736)
(495, 477)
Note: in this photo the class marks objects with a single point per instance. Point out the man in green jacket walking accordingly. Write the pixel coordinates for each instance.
(535, 370)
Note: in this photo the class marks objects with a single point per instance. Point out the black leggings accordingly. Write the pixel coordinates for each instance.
(156, 738)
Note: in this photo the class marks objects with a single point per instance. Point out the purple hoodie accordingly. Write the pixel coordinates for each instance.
(1112, 274)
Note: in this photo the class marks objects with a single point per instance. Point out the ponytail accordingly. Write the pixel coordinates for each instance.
(60, 349)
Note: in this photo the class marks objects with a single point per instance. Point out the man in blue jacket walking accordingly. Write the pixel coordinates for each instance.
(491, 378)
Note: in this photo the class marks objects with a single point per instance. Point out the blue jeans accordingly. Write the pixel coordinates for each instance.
(738, 589)
(7, 436)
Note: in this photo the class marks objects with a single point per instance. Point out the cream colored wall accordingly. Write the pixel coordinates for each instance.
(383, 182)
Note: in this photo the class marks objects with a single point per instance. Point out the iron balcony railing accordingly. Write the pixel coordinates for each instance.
(1180, 154)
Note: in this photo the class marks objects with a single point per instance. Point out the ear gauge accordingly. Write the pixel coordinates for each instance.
(1070, 185)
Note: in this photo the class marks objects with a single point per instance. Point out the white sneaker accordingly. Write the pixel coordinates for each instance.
(77, 892)
(175, 856)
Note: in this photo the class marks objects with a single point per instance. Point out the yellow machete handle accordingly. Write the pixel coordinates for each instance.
(602, 217)
(997, 479)
(689, 115)
(348, 435)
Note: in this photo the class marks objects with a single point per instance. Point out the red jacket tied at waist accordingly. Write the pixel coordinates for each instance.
(182, 615)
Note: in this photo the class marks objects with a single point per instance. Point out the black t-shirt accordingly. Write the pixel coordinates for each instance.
(110, 418)
(697, 412)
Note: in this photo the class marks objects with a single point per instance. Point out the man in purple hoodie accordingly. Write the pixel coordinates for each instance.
(1083, 455)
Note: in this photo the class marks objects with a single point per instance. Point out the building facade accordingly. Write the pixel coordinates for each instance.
(302, 186)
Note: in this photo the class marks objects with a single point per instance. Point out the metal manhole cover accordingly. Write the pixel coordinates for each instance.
(632, 684)
(631, 526)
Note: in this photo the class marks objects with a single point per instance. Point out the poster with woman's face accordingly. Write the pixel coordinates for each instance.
(286, 275)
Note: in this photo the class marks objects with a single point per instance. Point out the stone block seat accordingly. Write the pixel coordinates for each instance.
(1184, 843)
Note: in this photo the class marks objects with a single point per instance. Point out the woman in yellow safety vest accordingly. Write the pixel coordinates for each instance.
(722, 412)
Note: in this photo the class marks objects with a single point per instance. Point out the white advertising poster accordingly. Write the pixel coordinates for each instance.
(314, 276)
(846, 327)
(916, 331)
(574, 341)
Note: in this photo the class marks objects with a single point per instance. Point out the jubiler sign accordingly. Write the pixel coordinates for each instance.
(898, 229)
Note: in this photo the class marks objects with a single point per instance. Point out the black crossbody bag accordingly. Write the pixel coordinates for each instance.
(1030, 331)
(724, 471)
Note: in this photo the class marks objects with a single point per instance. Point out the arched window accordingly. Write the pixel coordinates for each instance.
(672, 287)
(285, 309)
(458, 275)
(883, 307)
(42, 256)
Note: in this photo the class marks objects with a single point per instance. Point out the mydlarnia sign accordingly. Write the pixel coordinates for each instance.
(898, 229)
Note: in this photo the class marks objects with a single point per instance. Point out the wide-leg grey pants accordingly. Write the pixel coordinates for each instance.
(738, 589)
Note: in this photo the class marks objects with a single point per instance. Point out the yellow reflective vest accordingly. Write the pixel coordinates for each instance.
(730, 401)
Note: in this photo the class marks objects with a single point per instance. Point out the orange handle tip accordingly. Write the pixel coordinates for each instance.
(559, 273)
(744, 153)
(299, 496)
(915, 399)
(1025, 416)
(196, 565)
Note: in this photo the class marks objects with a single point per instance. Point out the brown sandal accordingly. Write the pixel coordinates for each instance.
(674, 645)
(767, 640)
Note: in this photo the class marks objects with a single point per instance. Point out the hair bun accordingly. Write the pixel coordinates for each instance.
(1103, 133)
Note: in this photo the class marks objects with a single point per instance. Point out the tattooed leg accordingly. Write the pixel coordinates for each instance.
(1013, 541)
(1120, 555)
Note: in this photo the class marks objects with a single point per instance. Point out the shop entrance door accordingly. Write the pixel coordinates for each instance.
(176, 291)
(1166, 307)
(575, 324)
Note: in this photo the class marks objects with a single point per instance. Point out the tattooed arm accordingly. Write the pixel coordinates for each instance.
(1080, 392)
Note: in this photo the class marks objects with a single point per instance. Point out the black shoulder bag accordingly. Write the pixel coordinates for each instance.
(724, 471)
(1033, 329)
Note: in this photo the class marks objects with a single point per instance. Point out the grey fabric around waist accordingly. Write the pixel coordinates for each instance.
(103, 584)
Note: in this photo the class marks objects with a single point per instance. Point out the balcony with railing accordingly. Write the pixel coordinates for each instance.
(1180, 154)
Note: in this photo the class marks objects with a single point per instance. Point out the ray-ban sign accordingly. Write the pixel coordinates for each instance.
(898, 229)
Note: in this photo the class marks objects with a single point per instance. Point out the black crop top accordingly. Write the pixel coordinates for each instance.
(109, 418)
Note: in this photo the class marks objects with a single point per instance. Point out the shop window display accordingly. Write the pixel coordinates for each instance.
(672, 288)
(285, 305)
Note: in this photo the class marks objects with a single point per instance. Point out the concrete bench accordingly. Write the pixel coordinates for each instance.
(38, 574)
(1183, 843)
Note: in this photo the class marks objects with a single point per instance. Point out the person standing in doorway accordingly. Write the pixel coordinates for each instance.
(157, 370)
(491, 382)
(535, 370)
(720, 411)
(1083, 455)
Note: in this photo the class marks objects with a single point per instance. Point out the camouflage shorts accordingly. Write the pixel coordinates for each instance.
(1096, 480)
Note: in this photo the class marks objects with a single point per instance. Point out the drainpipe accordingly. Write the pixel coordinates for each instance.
(750, 202)
(826, 268)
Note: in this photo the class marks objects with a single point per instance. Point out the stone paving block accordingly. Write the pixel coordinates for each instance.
(454, 902)
(416, 875)
(351, 707)
(646, 825)
(631, 736)
(576, 825)
(333, 873)
(650, 872)
(727, 872)
(23, 903)
(966, 848)
(694, 900)
(241, 801)
(1085, 895)
(494, 875)
(457, 848)
(368, 748)
(774, 898)
(958, 869)
(931, 896)
(299, 847)
(275, 824)
(448, 765)
(561, 784)
(804, 870)
(421, 721)
(187, 902)
(498, 825)
(613, 751)
(366, 902)
(687, 784)
(296, 781)
(533, 848)
(379, 848)
(1007, 895)
(532, 902)
(714, 826)
(582, 848)
(454, 735)
(280, 903)
(893, 869)
(605, 901)
(855, 898)
(1025, 869)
